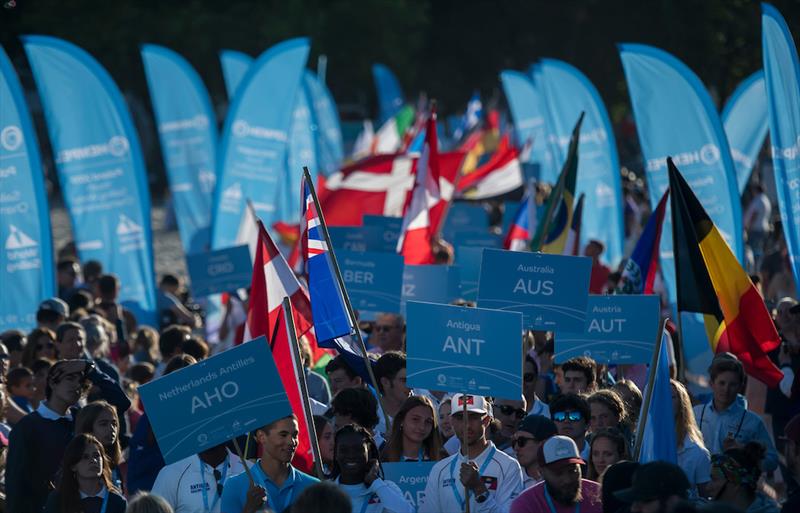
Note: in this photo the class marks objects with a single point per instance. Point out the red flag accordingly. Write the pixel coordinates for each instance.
(502, 173)
(272, 281)
(423, 214)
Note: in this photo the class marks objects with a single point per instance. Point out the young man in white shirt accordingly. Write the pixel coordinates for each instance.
(487, 477)
(195, 484)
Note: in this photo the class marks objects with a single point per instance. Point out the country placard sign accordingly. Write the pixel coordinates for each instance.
(411, 477)
(223, 270)
(373, 280)
(460, 349)
(430, 283)
(551, 291)
(389, 228)
(468, 260)
(215, 400)
(619, 329)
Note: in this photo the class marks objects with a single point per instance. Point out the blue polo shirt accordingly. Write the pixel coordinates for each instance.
(234, 495)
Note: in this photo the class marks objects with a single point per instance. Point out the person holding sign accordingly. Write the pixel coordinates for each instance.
(85, 485)
(415, 433)
(195, 484)
(357, 471)
(492, 479)
(275, 484)
(563, 490)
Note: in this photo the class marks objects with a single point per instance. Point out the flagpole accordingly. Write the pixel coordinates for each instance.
(301, 380)
(350, 312)
(649, 390)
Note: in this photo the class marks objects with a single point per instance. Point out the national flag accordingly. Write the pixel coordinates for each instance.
(248, 230)
(641, 268)
(551, 234)
(390, 136)
(289, 369)
(471, 118)
(362, 147)
(519, 233)
(272, 281)
(502, 173)
(711, 281)
(658, 432)
(573, 245)
(481, 144)
(421, 217)
(327, 304)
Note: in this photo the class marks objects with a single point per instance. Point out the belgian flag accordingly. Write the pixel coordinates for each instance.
(711, 282)
(552, 233)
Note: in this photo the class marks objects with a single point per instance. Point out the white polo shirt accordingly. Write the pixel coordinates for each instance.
(182, 483)
(500, 473)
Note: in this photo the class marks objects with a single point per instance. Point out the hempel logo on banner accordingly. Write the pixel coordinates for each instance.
(242, 129)
(709, 154)
(11, 137)
(117, 146)
(198, 122)
(789, 153)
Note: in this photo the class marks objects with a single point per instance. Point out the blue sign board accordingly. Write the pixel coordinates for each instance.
(214, 400)
(411, 477)
(460, 349)
(430, 283)
(361, 238)
(373, 280)
(389, 228)
(551, 291)
(464, 216)
(468, 260)
(619, 329)
(477, 239)
(224, 270)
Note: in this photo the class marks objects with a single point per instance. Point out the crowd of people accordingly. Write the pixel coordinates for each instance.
(76, 438)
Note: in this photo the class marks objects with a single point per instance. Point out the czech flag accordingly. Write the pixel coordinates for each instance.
(641, 268)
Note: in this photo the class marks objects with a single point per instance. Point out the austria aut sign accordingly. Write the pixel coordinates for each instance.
(212, 401)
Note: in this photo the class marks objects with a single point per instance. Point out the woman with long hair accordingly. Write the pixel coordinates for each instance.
(85, 485)
(324, 430)
(693, 457)
(99, 419)
(41, 344)
(608, 447)
(357, 472)
(734, 479)
(415, 433)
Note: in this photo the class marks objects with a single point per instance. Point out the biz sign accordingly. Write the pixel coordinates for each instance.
(467, 350)
(619, 329)
(550, 291)
(212, 401)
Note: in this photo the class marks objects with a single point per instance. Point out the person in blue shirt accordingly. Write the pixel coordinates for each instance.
(276, 483)
(725, 422)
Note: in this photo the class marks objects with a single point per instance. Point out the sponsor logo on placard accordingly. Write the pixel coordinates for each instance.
(11, 137)
(117, 146)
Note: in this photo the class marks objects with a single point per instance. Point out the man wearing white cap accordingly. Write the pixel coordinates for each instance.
(488, 478)
(563, 489)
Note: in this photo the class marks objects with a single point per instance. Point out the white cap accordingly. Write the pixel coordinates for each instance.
(475, 403)
(559, 449)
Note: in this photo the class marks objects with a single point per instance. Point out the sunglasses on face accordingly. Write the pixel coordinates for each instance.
(521, 441)
(385, 329)
(509, 410)
(568, 416)
(529, 376)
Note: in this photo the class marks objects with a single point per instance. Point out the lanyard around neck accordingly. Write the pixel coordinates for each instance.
(261, 478)
(203, 485)
(552, 506)
(481, 470)
(105, 502)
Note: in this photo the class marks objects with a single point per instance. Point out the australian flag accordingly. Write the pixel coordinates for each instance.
(640, 269)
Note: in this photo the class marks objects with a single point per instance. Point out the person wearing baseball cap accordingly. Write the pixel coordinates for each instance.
(657, 487)
(51, 313)
(791, 449)
(479, 473)
(532, 431)
(563, 489)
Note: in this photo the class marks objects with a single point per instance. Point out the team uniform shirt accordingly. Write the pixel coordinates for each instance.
(500, 473)
(189, 485)
(528, 481)
(538, 500)
(695, 460)
(539, 408)
(381, 497)
(234, 496)
(742, 424)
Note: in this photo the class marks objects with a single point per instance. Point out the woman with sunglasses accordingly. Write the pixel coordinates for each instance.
(571, 413)
(415, 434)
(41, 344)
(508, 413)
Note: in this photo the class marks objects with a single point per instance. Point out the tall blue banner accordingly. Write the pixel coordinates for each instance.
(234, 67)
(552, 167)
(187, 130)
(100, 167)
(782, 74)
(26, 260)
(568, 93)
(387, 87)
(529, 128)
(255, 140)
(327, 127)
(302, 152)
(745, 120)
